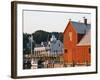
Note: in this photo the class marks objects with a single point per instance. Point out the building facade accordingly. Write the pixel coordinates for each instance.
(76, 49)
(56, 46)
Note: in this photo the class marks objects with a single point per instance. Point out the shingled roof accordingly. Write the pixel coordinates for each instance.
(86, 40)
(81, 28)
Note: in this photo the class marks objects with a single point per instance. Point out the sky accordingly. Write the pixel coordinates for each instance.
(50, 21)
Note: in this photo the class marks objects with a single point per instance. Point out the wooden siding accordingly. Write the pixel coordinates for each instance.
(74, 54)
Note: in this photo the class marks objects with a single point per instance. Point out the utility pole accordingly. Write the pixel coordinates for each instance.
(31, 43)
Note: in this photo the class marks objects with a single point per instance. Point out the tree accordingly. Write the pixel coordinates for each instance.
(40, 36)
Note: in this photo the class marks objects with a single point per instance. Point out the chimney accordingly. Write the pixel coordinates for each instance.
(85, 20)
(70, 19)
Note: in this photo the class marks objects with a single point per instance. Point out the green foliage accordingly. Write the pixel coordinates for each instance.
(40, 36)
(60, 37)
(25, 41)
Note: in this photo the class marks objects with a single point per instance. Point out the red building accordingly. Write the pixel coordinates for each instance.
(77, 43)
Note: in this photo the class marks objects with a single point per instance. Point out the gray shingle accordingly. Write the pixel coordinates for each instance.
(86, 40)
(81, 28)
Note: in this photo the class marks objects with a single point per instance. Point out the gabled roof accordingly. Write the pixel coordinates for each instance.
(81, 28)
(86, 40)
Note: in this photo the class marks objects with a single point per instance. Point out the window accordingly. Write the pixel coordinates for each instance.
(89, 50)
(70, 36)
(59, 45)
(65, 50)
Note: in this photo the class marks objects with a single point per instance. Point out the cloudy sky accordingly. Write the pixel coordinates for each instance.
(50, 21)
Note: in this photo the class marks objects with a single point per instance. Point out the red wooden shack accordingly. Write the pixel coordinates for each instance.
(77, 43)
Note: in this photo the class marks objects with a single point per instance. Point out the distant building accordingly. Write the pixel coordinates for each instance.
(77, 43)
(56, 46)
(51, 47)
